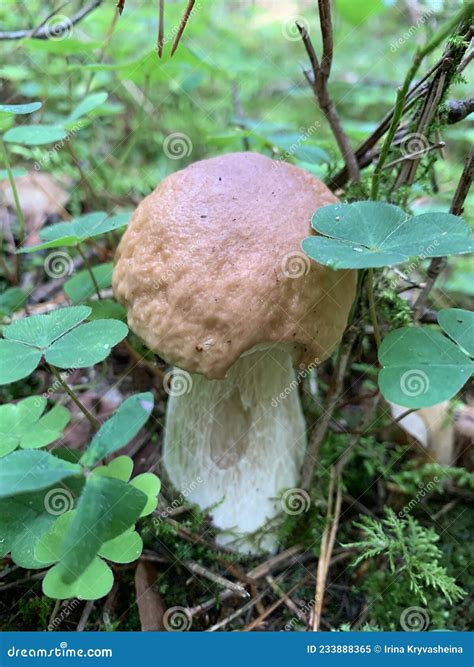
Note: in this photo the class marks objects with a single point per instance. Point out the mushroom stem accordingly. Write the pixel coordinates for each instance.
(234, 445)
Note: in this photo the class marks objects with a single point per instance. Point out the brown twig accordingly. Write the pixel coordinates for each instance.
(161, 27)
(319, 432)
(438, 263)
(327, 545)
(319, 84)
(44, 32)
(201, 571)
(182, 25)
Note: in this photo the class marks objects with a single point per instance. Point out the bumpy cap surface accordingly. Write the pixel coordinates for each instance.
(211, 266)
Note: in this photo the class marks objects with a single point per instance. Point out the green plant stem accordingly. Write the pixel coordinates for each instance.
(91, 419)
(373, 312)
(19, 212)
(403, 90)
(89, 269)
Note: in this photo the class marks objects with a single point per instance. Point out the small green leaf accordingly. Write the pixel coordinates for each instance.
(93, 583)
(421, 367)
(107, 309)
(107, 507)
(30, 470)
(35, 135)
(42, 330)
(371, 234)
(81, 287)
(89, 103)
(11, 300)
(123, 549)
(120, 428)
(48, 429)
(87, 344)
(16, 361)
(459, 325)
(150, 485)
(23, 522)
(50, 547)
(21, 424)
(119, 468)
(20, 108)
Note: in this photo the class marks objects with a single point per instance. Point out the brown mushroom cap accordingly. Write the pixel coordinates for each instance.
(211, 266)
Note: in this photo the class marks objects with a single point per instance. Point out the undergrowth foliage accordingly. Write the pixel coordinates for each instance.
(75, 518)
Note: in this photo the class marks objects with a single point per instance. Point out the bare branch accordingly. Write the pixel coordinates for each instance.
(182, 25)
(319, 84)
(43, 32)
(437, 264)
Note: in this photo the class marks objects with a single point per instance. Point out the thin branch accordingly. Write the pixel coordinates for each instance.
(437, 264)
(91, 419)
(332, 398)
(327, 546)
(161, 27)
(319, 84)
(182, 25)
(44, 32)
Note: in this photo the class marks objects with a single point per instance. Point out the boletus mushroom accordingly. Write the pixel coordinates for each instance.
(214, 280)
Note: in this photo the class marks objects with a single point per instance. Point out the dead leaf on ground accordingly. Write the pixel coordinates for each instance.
(40, 197)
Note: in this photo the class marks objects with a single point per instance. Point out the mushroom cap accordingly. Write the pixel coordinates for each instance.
(210, 266)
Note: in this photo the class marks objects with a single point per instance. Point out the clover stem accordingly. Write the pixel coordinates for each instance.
(19, 212)
(91, 419)
(89, 269)
(373, 312)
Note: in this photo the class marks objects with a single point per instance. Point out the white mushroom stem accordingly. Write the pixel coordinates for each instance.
(234, 445)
